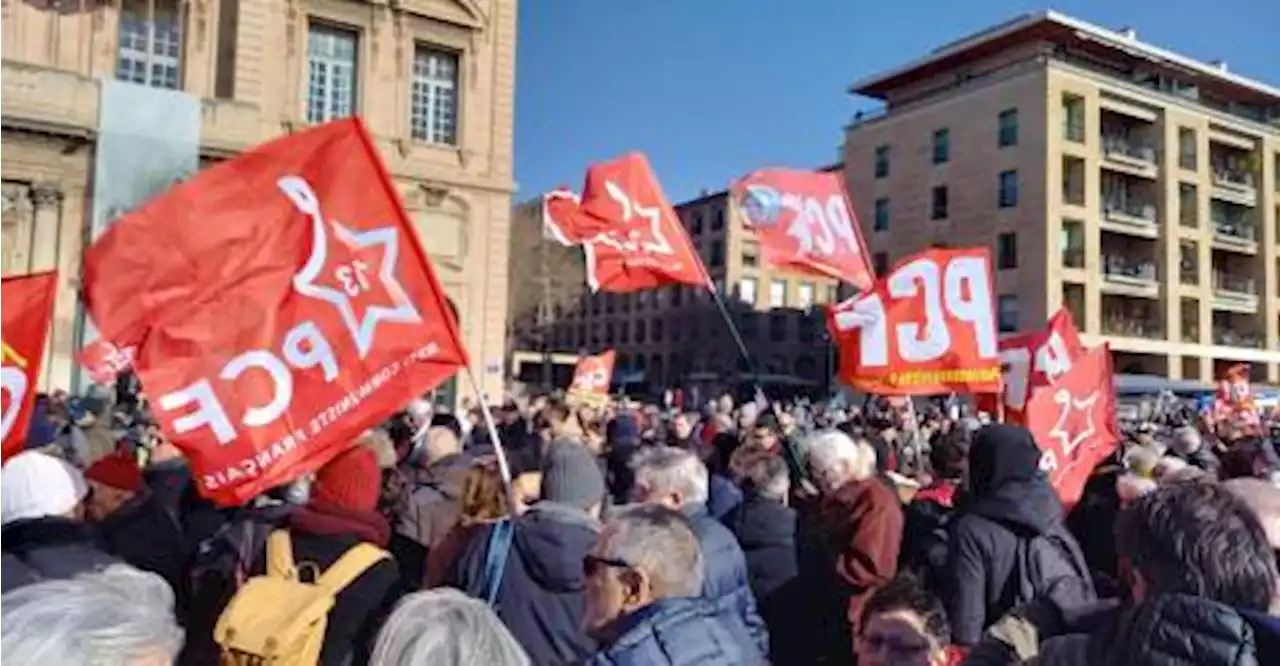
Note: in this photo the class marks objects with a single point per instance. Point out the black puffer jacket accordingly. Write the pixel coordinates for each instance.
(766, 530)
(1009, 504)
(542, 597)
(49, 548)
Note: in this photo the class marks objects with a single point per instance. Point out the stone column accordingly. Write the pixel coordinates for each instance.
(50, 254)
(17, 209)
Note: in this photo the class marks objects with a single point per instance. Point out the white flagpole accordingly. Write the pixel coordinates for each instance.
(503, 467)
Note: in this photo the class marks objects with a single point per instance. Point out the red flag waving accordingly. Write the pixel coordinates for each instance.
(591, 377)
(27, 309)
(1036, 359)
(928, 327)
(630, 235)
(104, 361)
(804, 221)
(280, 304)
(1074, 422)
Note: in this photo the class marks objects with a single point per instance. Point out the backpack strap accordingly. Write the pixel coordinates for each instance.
(495, 561)
(280, 562)
(354, 562)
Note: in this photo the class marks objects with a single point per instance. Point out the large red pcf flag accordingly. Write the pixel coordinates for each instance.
(803, 221)
(27, 308)
(1074, 423)
(591, 377)
(628, 231)
(1035, 359)
(280, 305)
(928, 327)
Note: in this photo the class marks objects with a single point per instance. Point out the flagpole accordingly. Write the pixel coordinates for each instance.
(504, 469)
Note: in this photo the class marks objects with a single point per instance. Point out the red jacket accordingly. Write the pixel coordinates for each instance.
(864, 521)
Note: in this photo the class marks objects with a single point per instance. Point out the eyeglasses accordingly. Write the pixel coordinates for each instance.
(896, 647)
(592, 564)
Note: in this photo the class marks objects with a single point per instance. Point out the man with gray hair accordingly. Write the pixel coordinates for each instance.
(644, 576)
(678, 480)
(117, 617)
(445, 627)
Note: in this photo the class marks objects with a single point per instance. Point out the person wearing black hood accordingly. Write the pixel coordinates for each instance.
(1009, 541)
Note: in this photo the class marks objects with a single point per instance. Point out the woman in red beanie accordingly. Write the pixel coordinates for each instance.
(341, 513)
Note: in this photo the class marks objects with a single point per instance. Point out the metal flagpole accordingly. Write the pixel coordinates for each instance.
(504, 468)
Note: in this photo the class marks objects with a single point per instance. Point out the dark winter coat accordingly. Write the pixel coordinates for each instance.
(51, 548)
(146, 534)
(674, 632)
(725, 582)
(542, 597)
(766, 530)
(1009, 504)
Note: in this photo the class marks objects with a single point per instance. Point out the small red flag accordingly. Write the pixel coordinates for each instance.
(27, 311)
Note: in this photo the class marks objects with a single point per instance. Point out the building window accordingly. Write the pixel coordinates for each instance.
(677, 296)
(625, 330)
(804, 295)
(750, 256)
(717, 254)
(941, 146)
(1073, 118)
(881, 220)
(939, 205)
(777, 294)
(1008, 123)
(331, 73)
(1072, 244)
(747, 290)
(1187, 149)
(1007, 313)
(658, 330)
(717, 222)
(434, 96)
(882, 162)
(833, 293)
(697, 223)
(150, 47)
(642, 331)
(880, 262)
(1007, 251)
(1008, 189)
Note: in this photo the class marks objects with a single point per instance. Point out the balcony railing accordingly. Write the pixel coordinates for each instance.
(1073, 257)
(1074, 129)
(1235, 284)
(1131, 211)
(1115, 266)
(1232, 177)
(1238, 228)
(1126, 150)
(1232, 338)
(1132, 327)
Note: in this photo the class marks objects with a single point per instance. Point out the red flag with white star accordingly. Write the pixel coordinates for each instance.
(628, 231)
(279, 304)
(28, 309)
(1074, 422)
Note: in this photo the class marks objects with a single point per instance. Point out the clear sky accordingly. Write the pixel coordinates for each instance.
(711, 89)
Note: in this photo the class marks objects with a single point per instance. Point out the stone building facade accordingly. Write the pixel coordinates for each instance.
(433, 79)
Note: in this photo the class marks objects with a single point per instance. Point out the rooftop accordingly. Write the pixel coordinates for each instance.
(1057, 28)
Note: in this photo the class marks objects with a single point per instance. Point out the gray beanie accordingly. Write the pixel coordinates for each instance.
(571, 476)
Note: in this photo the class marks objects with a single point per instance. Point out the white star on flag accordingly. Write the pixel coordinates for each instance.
(304, 198)
(1068, 403)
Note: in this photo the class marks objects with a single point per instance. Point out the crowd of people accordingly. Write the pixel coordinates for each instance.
(631, 534)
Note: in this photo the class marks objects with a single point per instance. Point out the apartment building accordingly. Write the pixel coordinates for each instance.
(433, 80)
(1137, 187)
(675, 336)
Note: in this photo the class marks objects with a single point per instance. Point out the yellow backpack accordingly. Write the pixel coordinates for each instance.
(278, 619)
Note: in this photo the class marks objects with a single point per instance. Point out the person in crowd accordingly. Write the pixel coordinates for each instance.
(115, 617)
(342, 513)
(948, 455)
(94, 420)
(484, 500)
(1189, 445)
(682, 433)
(644, 574)
(542, 593)
(1264, 500)
(623, 435)
(135, 524)
(766, 529)
(1010, 513)
(446, 628)
(433, 506)
(43, 535)
(850, 536)
(903, 624)
(678, 480)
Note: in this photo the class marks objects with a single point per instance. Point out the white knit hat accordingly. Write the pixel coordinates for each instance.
(35, 485)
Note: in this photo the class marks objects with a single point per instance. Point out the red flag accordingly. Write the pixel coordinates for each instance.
(804, 221)
(27, 311)
(1074, 423)
(631, 237)
(280, 305)
(928, 327)
(591, 378)
(1032, 360)
(104, 361)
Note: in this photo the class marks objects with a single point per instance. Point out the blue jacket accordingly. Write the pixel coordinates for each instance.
(675, 632)
(724, 580)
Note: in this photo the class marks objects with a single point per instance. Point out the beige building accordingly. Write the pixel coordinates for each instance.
(1135, 186)
(675, 336)
(433, 79)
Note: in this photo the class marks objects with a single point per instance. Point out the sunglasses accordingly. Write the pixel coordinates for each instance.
(594, 564)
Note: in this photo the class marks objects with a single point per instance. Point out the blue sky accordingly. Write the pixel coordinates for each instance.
(711, 89)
